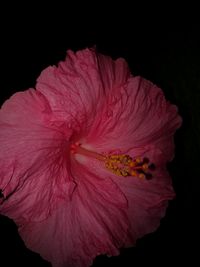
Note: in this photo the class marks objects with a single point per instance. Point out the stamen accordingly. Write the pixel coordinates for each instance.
(77, 149)
(119, 164)
(124, 165)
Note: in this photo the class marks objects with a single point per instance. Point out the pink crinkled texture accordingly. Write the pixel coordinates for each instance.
(70, 208)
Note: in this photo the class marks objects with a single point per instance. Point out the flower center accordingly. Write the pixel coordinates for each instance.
(119, 164)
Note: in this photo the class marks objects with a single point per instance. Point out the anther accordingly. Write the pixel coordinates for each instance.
(119, 164)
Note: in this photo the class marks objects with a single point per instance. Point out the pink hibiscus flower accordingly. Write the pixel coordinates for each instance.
(83, 159)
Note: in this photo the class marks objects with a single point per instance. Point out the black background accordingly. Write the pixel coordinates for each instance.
(157, 47)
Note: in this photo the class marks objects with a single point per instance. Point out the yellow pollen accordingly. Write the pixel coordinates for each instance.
(131, 164)
(138, 160)
(119, 164)
(133, 173)
(141, 176)
(145, 166)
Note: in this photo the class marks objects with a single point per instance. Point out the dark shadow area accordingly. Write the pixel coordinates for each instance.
(13, 250)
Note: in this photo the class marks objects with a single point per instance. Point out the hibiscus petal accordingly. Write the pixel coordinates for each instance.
(94, 222)
(94, 100)
(147, 199)
(77, 88)
(31, 158)
(139, 117)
